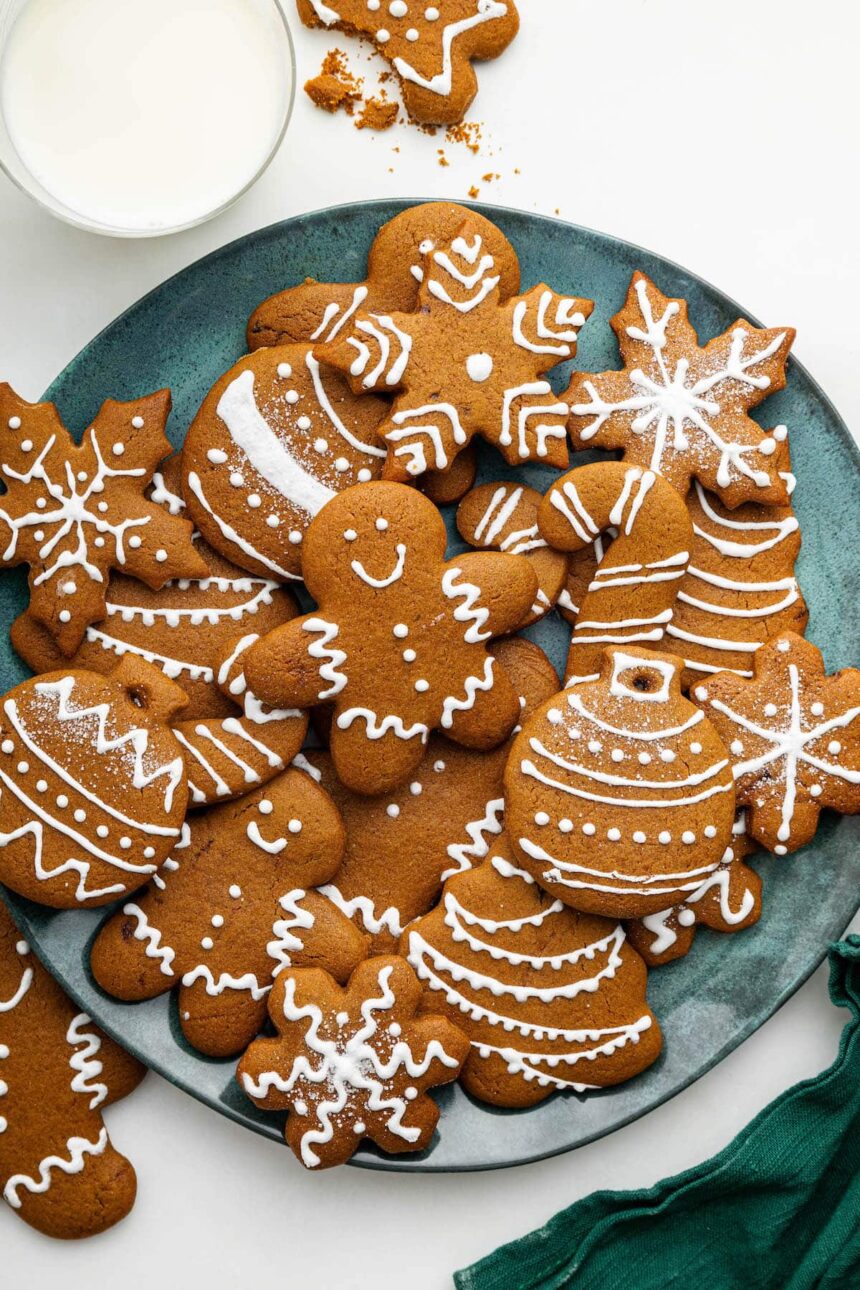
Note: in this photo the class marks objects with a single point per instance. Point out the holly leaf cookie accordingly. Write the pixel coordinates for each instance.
(681, 410)
(231, 910)
(467, 363)
(794, 737)
(399, 642)
(550, 999)
(73, 513)
(430, 48)
(352, 1063)
(93, 786)
(58, 1168)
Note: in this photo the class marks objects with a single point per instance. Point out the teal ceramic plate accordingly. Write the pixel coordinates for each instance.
(184, 335)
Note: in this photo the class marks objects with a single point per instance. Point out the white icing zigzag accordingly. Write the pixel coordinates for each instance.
(85, 1063)
(77, 1148)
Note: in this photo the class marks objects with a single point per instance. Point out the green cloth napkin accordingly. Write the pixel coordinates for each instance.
(777, 1209)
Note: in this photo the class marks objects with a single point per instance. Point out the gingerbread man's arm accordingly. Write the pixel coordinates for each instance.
(493, 592)
(297, 665)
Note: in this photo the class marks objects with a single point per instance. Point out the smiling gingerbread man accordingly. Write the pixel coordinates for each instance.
(399, 642)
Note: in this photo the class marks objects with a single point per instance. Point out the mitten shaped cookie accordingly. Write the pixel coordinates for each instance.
(681, 410)
(793, 733)
(275, 439)
(466, 363)
(399, 641)
(58, 1169)
(503, 517)
(401, 847)
(631, 597)
(73, 513)
(729, 900)
(230, 911)
(352, 1063)
(619, 796)
(431, 49)
(551, 999)
(93, 783)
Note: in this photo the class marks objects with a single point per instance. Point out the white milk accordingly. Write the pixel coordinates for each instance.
(145, 114)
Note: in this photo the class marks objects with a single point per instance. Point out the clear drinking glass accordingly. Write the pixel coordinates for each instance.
(22, 177)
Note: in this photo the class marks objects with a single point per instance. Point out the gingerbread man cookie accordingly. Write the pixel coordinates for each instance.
(58, 1168)
(503, 517)
(431, 49)
(73, 513)
(681, 410)
(399, 642)
(551, 999)
(231, 910)
(794, 736)
(275, 439)
(466, 363)
(618, 792)
(92, 783)
(631, 596)
(352, 1063)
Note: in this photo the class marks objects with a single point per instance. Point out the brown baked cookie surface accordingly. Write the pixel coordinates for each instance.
(93, 782)
(352, 1063)
(430, 47)
(551, 999)
(58, 1168)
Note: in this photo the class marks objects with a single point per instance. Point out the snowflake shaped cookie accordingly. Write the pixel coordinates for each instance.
(399, 642)
(794, 736)
(680, 409)
(354, 1063)
(466, 363)
(73, 513)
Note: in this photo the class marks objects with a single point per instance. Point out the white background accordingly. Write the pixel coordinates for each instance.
(723, 136)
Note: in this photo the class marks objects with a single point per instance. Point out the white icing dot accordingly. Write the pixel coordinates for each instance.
(412, 34)
(410, 1093)
(383, 35)
(26, 445)
(783, 646)
(393, 810)
(41, 786)
(65, 616)
(686, 917)
(479, 367)
(780, 850)
(272, 521)
(265, 807)
(365, 475)
(614, 835)
(341, 464)
(617, 754)
(284, 370)
(398, 8)
(304, 423)
(541, 818)
(300, 1107)
(638, 836)
(780, 433)
(137, 422)
(438, 766)
(161, 555)
(422, 686)
(82, 476)
(400, 630)
(409, 656)
(23, 767)
(292, 396)
(666, 754)
(14, 423)
(7, 746)
(102, 831)
(349, 536)
(295, 826)
(834, 747)
(207, 943)
(235, 890)
(41, 502)
(321, 445)
(148, 853)
(431, 14)
(102, 506)
(701, 693)
(565, 825)
(736, 747)
(62, 801)
(295, 537)
(125, 843)
(415, 788)
(39, 534)
(815, 790)
(665, 837)
(21, 947)
(594, 745)
(217, 920)
(767, 447)
(99, 541)
(644, 759)
(710, 831)
(217, 456)
(817, 709)
(770, 709)
(118, 449)
(80, 815)
(359, 1128)
(688, 838)
(254, 501)
(382, 524)
(394, 1029)
(589, 830)
(554, 717)
(695, 748)
(237, 479)
(342, 1018)
(373, 5)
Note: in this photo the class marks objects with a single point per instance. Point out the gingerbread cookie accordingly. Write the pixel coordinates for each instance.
(352, 1063)
(182, 628)
(680, 409)
(551, 999)
(630, 599)
(431, 49)
(794, 736)
(58, 1168)
(619, 797)
(275, 439)
(439, 823)
(399, 641)
(92, 783)
(467, 363)
(230, 911)
(729, 900)
(73, 513)
(503, 517)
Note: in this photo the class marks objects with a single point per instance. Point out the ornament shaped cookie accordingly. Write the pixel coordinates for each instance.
(276, 438)
(74, 512)
(551, 999)
(230, 910)
(631, 597)
(399, 642)
(681, 410)
(729, 900)
(503, 517)
(619, 796)
(430, 48)
(794, 737)
(400, 848)
(92, 783)
(352, 1063)
(467, 363)
(182, 628)
(58, 1168)
(740, 589)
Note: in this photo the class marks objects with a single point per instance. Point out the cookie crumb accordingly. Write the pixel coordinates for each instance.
(335, 87)
(466, 132)
(473, 192)
(377, 114)
(443, 160)
(490, 177)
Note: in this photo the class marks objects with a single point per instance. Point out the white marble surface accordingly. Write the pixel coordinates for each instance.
(722, 137)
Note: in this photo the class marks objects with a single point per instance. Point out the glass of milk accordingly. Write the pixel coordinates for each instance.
(141, 117)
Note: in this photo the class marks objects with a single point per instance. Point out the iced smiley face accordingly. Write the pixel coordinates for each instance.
(399, 642)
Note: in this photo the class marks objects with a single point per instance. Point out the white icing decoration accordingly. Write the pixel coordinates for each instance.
(441, 83)
(322, 649)
(77, 1151)
(452, 704)
(151, 936)
(470, 611)
(85, 1063)
(377, 728)
(232, 536)
(417, 463)
(395, 575)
